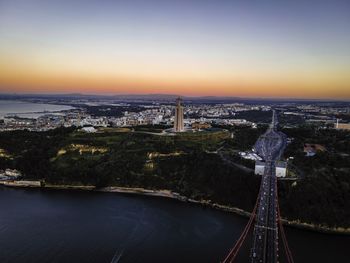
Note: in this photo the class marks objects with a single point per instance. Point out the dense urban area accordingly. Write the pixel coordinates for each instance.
(130, 142)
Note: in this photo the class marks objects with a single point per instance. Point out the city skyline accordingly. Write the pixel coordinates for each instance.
(191, 48)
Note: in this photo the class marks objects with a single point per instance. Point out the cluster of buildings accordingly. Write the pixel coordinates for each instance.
(160, 114)
(214, 111)
(323, 109)
(186, 117)
(325, 115)
(47, 122)
(193, 116)
(9, 174)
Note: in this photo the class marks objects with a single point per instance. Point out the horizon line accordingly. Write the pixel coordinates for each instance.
(172, 95)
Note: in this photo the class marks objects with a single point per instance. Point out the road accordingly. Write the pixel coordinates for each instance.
(270, 147)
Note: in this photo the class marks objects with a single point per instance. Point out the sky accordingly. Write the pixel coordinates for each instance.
(246, 48)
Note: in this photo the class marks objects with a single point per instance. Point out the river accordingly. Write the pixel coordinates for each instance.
(75, 226)
(28, 109)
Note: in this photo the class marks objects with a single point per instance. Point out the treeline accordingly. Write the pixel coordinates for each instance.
(334, 140)
(323, 196)
(322, 199)
(244, 137)
(31, 151)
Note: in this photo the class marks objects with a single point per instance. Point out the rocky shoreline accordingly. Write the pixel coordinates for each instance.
(176, 196)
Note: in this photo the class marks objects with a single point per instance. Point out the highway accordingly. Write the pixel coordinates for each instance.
(270, 147)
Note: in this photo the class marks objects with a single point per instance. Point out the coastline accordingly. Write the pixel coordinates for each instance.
(176, 196)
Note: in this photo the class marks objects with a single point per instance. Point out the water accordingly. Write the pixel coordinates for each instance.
(28, 109)
(63, 226)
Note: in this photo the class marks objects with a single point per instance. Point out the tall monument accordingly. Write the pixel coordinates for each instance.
(179, 116)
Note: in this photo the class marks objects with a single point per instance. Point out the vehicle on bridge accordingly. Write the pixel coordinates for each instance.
(266, 213)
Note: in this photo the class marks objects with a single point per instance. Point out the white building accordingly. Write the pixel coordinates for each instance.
(281, 169)
(89, 129)
(259, 167)
(12, 173)
(250, 156)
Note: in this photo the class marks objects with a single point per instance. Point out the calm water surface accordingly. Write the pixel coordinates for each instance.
(27, 109)
(62, 226)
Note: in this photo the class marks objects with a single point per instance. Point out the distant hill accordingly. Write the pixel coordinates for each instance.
(157, 98)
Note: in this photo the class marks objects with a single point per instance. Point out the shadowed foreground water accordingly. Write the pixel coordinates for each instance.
(63, 226)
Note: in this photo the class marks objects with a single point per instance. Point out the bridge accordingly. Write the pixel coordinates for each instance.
(265, 217)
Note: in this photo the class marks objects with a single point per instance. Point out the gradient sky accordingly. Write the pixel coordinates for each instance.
(225, 48)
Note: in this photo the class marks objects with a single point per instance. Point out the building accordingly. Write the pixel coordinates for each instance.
(342, 126)
(311, 149)
(200, 125)
(259, 167)
(9, 174)
(179, 116)
(281, 169)
(89, 129)
(250, 156)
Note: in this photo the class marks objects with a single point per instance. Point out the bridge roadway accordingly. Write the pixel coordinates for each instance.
(269, 146)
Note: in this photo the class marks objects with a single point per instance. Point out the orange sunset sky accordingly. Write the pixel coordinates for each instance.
(189, 48)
